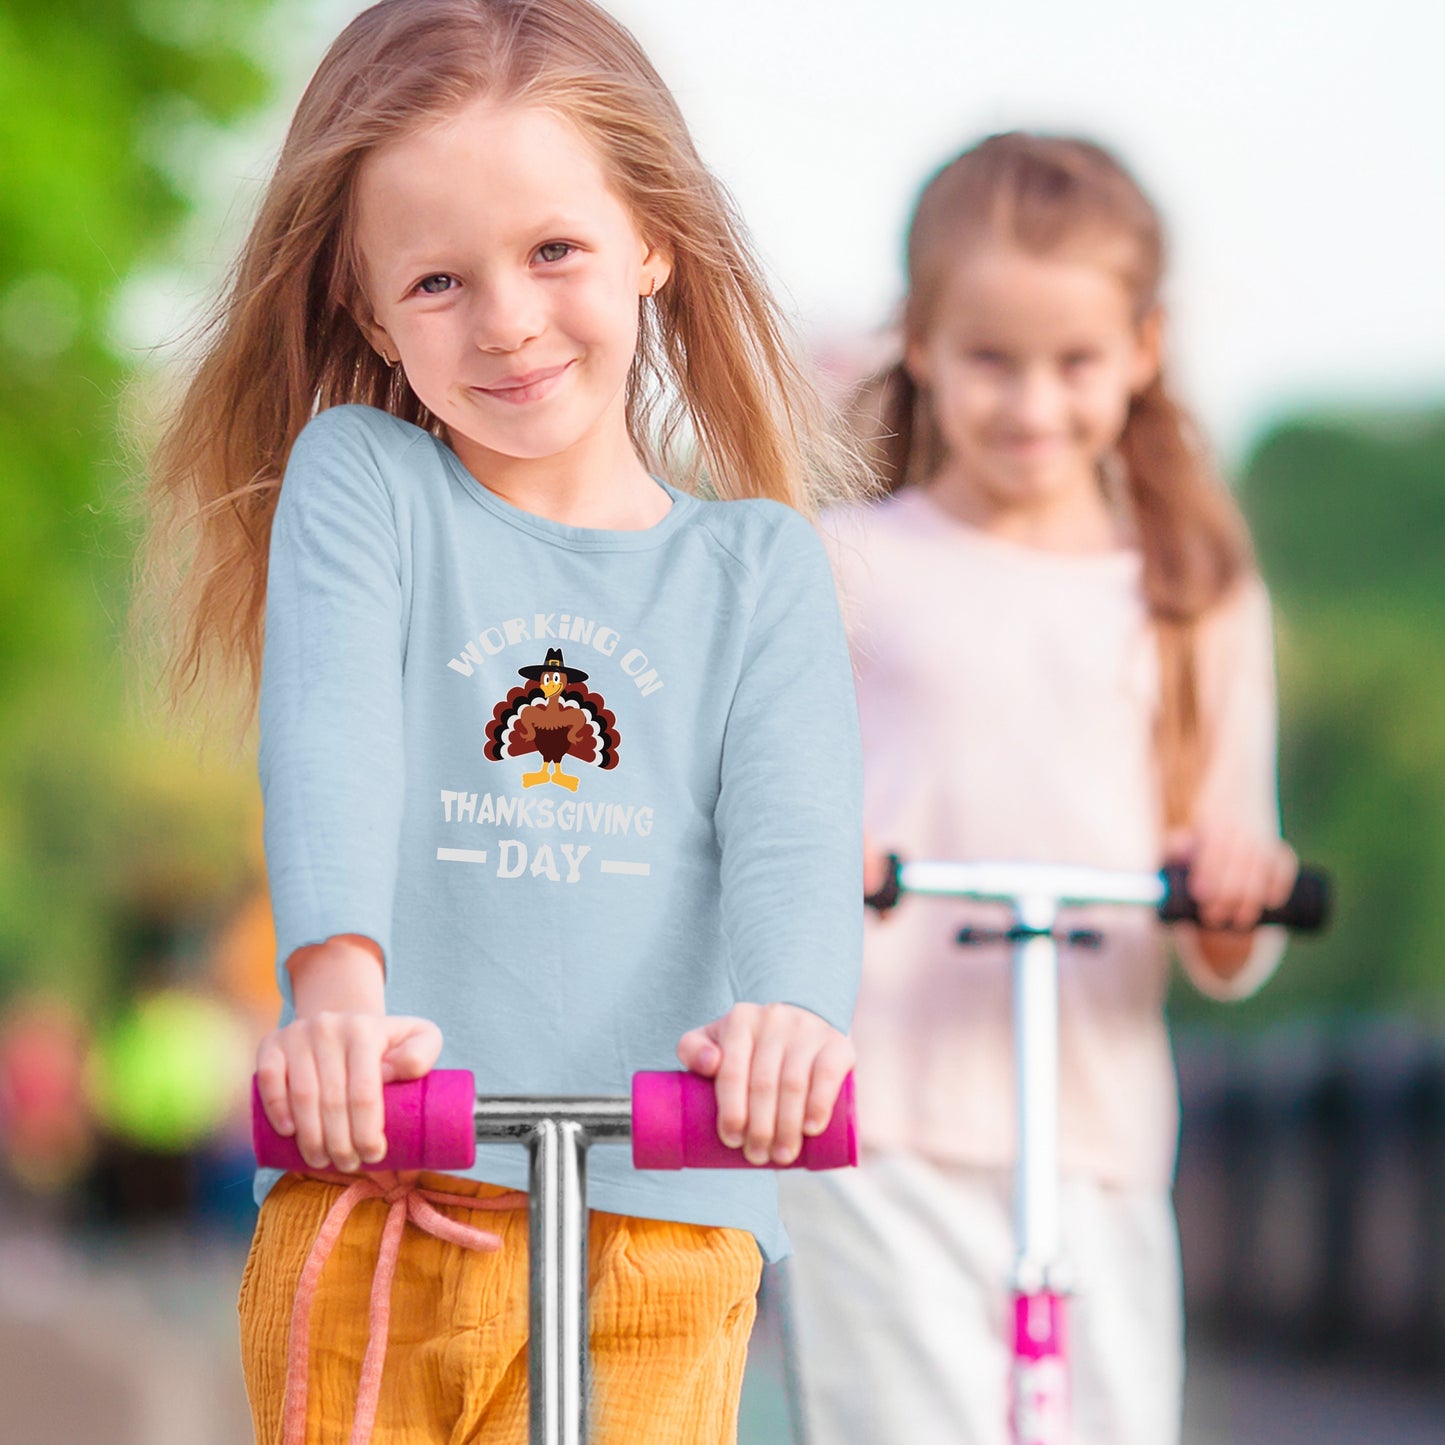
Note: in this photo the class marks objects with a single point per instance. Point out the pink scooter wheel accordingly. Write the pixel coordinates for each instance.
(674, 1126)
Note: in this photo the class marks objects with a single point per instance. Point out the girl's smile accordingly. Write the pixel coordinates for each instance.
(1031, 446)
(517, 390)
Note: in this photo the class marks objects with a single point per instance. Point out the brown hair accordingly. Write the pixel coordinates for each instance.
(715, 393)
(1047, 194)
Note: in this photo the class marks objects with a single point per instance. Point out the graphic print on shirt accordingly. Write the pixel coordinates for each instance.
(556, 717)
(496, 813)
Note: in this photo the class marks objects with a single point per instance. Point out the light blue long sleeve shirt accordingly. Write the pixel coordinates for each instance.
(701, 848)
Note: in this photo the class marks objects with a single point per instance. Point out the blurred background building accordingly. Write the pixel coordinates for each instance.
(1299, 152)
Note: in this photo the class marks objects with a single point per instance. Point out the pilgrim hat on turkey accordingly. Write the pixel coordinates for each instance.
(553, 663)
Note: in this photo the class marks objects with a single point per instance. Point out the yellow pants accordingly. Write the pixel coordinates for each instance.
(671, 1310)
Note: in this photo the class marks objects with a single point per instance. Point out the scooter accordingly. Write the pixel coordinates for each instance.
(1036, 894)
(670, 1118)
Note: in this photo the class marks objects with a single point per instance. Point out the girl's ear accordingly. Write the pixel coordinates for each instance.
(384, 347)
(915, 360)
(656, 270)
(1148, 351)
(375, 333)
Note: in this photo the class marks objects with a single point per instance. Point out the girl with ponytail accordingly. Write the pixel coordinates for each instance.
(1063, 653)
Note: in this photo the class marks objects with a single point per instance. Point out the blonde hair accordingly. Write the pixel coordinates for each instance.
(1049, 194)
(715, 393)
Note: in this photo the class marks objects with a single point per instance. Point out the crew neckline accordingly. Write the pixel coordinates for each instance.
(563, 534)
(1120, 558)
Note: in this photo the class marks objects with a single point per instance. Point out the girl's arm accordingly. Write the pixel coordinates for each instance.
(1239, 865)
(331, 766)
(788, 822)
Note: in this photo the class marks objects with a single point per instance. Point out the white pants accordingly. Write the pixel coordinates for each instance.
(902, 1307)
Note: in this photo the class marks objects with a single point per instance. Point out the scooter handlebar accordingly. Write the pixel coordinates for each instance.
(1307, 910)
(674, 1126)
(430, 1125)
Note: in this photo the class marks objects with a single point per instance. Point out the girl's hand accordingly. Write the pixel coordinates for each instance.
(1234, 874)
(778, 1070)
(320, 1079)
(875, 865)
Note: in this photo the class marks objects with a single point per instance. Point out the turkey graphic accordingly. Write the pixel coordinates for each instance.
(555, 716)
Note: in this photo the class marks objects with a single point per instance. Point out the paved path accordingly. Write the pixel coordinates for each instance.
(134, 1343)
(1257, 1400)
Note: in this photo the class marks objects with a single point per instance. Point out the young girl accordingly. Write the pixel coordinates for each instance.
(1063, 655)
(554, 753)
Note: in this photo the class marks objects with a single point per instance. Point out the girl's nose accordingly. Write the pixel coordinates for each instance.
(507, 313)
(1035, 399)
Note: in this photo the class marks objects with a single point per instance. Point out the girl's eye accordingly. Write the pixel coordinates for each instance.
(435, 285)
(985, 356)
(555, 251)
(1078, 360)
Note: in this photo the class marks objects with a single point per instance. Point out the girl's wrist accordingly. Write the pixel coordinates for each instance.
(343, 975)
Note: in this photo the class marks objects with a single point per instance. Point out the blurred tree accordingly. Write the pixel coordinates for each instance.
(1349, 517)
(99, 101)
(91, 97)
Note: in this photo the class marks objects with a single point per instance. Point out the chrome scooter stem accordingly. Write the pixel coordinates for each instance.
(557, 1133)
(1036, 1062)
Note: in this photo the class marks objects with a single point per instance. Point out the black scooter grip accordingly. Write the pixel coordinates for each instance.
(886, 895)
(1306, 911)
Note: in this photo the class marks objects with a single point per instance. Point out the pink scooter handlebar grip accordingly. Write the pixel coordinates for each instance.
(429, 1125)
(674, 1126)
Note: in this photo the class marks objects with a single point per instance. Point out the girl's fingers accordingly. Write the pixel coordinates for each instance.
(1201, 861)
(1246, 875)
(413, 1049)
(1234, 876)
(795, 1082)
(331, 1052)
(830, 1068)
(1211, 873)
(769, 1048)
(321, 1081)
(366, 1109)
(734, 1074)
(271, 1085)
(778, 1075)
(1286, 872)
(698, 1051)
(305, 1098)
(875, 872)
(1235, 904)
(1261, 876)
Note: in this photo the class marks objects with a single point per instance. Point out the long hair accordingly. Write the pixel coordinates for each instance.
(1049, 194)
(715, 393)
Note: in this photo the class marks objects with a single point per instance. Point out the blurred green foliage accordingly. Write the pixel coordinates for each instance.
(105, 826)
(1348, 513)
(114, 839)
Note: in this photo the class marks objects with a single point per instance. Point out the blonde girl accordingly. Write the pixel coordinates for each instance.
(1064, 655)
(555, 754)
